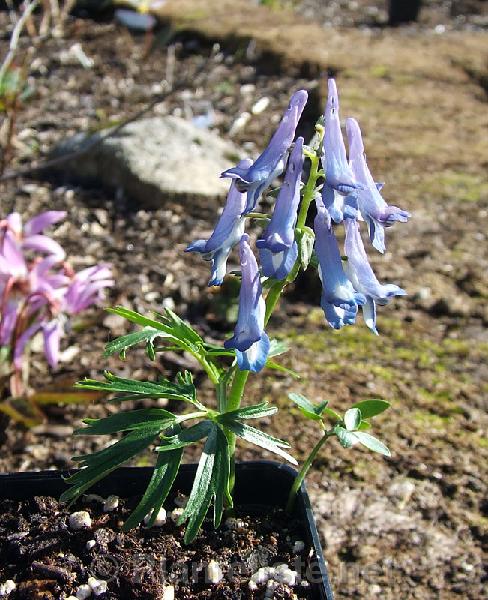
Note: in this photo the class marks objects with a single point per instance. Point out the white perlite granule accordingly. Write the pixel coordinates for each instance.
(83, 592)
(79, 520)
(176, 514)
(7, 587)
(272, 576)
(160, 518)
(110, 504)
(98, 586)
(90, 544)
(168, 593)
(214, 572)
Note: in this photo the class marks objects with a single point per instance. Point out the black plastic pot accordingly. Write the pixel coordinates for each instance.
(271, 480)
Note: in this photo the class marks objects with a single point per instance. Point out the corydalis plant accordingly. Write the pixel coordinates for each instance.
(39, 291)
(341, 191)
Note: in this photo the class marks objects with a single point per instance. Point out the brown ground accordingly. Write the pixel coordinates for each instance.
(412, 526)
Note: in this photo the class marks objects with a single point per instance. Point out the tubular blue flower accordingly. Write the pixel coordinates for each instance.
(258, 177)
(278, 249)
(250, 341)
(339, 299)
(227, 232)
(374, 210)
(339, 178)
(362, 276)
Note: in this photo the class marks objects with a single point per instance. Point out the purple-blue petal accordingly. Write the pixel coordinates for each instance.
(227, 233)
(278, 264)
(359, 270)
(271, 163)
(338, 173)
(339, 299)
(250, 321)
(254, 358)
(374, 209)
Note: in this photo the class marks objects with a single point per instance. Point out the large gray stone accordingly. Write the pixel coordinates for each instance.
(154, 160)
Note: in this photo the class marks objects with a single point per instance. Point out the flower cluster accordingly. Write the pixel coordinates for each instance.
(347, 195)
(38, 289)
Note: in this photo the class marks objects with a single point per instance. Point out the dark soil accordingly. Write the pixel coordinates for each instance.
(411, 527)
(50, 561)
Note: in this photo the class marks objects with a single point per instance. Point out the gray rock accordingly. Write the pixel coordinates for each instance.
(154, 160)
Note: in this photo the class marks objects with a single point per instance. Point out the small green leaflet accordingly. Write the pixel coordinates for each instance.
(256, 411)
(372, 443)
(346, 438)
(352, 419)
(349, 438)
(308, 408)
(120, 344)
(186, 436)
(306, 240)
(371, 408)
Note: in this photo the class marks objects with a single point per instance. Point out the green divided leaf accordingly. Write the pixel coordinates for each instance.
(99, 464)
(127, 421)
(182, 390)
(261, 439)
(157, 490)
(211, 481)
(371, 408)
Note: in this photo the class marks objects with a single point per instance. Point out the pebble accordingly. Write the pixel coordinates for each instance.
(7, 587)
(214, 572)
(159, 520)
(79, 520)
(90, 544)
(110, 504)
(98, 586)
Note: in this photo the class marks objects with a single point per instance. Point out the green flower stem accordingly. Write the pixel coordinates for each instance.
(239, 381)
(304, 470)
(309, 190)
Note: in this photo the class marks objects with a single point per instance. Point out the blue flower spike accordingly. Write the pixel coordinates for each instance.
(278, 249)
(255, 179)
(227, 232)
(374, 210)
(339, 299)
(339, 178)
(250, 341)
(362, 276)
